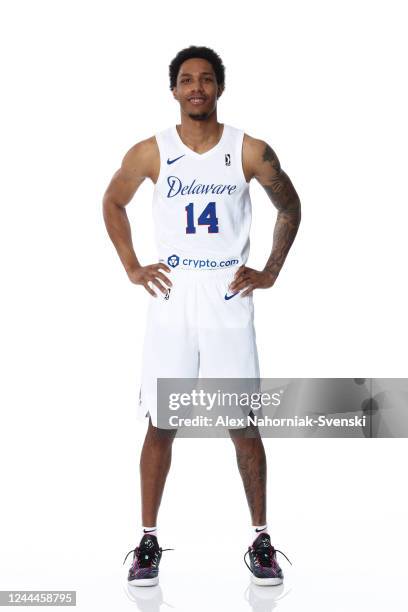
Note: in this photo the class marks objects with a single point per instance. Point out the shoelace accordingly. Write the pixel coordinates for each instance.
(271, 553)
(143, 550)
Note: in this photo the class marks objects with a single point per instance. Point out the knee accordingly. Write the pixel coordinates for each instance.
(160, 438)
(242, 444)
(245, 438)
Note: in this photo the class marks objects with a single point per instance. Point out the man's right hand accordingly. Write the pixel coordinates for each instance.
(143, 275)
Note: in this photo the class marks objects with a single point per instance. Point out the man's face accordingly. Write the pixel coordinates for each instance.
(196, 89)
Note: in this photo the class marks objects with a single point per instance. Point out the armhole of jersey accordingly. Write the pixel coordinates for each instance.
(158, 142)
(240, 155)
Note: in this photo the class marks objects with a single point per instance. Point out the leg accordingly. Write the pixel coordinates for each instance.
(228, 349)
(251, 461)
(155, 463)
(154, 466)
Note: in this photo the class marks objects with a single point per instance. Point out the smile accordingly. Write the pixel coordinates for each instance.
(196, 101)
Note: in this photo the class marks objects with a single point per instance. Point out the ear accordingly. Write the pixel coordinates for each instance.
(220, 91)
(174, 92)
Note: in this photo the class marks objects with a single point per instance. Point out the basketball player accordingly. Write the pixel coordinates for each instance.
(200, 317)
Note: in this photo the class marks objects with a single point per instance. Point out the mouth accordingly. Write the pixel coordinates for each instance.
(197, 100)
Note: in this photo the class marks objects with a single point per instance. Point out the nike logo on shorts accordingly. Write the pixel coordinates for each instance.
(228, 297)
(171, 161)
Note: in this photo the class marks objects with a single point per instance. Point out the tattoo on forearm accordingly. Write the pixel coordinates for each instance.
(282, 193)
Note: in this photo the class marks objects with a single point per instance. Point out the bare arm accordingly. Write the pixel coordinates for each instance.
(140, 162)
(262, 163)
(282, 194)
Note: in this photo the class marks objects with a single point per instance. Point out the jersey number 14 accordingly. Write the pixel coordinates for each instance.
(207, 217)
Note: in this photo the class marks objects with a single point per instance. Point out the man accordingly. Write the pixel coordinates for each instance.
(201, 311)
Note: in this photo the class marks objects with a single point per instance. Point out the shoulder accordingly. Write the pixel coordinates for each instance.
(143, 158)
(255, 152)
(257, 149)
(145, 149)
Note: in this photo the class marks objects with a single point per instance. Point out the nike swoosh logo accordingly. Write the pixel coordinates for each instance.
(171, 161)
(258, 530)
(150, 531)
(228, 297)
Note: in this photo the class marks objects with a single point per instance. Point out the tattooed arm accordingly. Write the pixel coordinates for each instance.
(262, 163)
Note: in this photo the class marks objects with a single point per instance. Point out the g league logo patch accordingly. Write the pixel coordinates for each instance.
(227, 159)
(173, 261)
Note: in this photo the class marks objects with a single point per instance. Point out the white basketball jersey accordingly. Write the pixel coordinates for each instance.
(201, 203)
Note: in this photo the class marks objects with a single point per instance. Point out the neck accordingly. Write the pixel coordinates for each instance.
(196, 133)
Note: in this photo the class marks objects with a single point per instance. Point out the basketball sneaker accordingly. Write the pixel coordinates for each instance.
(144, 570)
(263, 565)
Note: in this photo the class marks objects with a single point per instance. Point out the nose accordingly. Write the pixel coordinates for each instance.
(196, 86)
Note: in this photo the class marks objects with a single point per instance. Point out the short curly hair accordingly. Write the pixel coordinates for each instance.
(197, 52)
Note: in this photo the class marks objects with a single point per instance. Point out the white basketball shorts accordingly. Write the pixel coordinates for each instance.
(199, 329)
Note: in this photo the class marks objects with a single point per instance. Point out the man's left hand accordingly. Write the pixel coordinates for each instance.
(248, 279)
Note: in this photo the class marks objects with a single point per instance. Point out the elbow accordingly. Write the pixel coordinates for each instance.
(298, 210)
(107, 206)
(110, 204)
(295, 211)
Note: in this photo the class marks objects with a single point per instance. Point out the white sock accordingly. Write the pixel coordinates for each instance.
(256, 530)
(149, 530)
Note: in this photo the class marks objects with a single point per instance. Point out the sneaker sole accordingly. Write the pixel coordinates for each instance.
(144, 582)
(266, 581)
